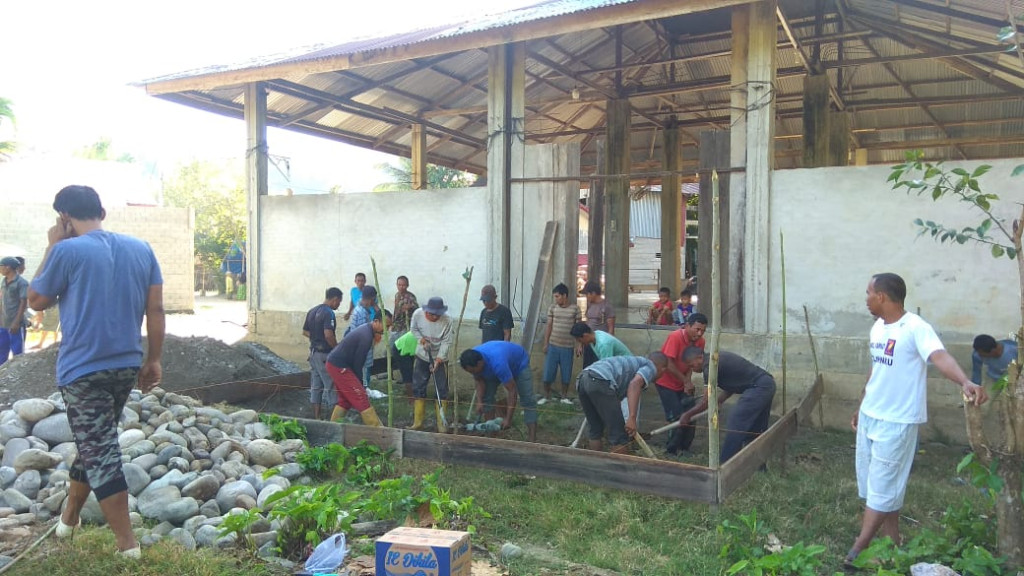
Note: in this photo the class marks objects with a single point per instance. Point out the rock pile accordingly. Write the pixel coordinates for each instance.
(187, 466)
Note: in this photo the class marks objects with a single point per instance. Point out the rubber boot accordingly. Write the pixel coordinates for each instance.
(370, 417)
(418, 409)
(338, 414)
(440, 409)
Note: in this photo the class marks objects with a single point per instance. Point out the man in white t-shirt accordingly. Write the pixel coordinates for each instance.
(894, 405)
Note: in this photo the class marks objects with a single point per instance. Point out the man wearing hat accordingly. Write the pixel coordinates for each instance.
(15, 298)
(434, 332)
(495, 319)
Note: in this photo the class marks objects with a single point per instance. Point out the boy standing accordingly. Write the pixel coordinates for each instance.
(356, 294)
(661, 311)
(559, 346)
(15, 299)
(600, 316)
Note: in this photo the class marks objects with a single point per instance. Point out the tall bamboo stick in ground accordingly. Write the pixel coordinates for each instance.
(453, 357)
(817, 371)
(714, 450)
(643, 445)
(782, 261)
(387, 349)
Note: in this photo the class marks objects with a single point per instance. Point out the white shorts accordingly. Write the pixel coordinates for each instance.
(885, 454)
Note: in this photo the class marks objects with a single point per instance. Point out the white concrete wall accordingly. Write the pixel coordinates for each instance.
(842, 225)
(313, 242)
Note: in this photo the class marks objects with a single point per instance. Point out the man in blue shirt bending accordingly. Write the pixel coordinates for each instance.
(508, 364)
(994, 355)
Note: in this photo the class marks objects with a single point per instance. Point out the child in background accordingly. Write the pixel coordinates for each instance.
(684, 309)
(661, 311)
(356, 294)
(559, 345)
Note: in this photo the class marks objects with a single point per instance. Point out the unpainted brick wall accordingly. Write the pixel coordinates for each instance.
(168, 230)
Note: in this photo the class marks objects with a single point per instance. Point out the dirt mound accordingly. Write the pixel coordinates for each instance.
(187, 363)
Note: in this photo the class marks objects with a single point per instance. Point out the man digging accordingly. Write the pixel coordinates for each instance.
(601, 388)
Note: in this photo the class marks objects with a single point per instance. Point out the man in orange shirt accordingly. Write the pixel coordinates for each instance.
(675, 388)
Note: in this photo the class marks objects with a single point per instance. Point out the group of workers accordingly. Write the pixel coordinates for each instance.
(608, 387)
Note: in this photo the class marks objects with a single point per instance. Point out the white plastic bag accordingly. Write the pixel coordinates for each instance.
(327, 556)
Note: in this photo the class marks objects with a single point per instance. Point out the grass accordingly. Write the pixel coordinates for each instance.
(563, 525)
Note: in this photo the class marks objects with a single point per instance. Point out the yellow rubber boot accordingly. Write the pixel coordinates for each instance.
(370, 417)
(439, 410)
(338, 414)
(419, 407)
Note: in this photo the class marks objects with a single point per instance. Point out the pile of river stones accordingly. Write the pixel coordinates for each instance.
(187, 466)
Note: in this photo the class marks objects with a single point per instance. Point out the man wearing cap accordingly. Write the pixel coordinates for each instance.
(105, 283)
(15, 300)
(507, 364)
(434, 332)
(319, 329)
(603, 386)
(599, 316)
(345, 362)
(495, 319)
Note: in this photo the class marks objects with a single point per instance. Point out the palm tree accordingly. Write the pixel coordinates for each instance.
(400, 177)
(6, 113)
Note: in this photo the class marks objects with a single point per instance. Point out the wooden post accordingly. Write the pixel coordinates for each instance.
(595, 232)
(714, 451)
(763, 38)
(468, 276)
(539, 282)
(734, 184)
(839, 139)
(816, 121)
(617, 163)
(817, 370)
(860, 157)
(387, 349)
(782, 262)
(672, 231)
(714, 153)
(255, 113)
(419, 157)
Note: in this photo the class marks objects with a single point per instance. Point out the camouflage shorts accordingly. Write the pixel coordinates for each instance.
(95, 403)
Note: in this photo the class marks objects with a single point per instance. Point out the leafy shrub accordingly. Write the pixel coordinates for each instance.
(241, 525)
(281, 429)
(322, 461)
(367, 464)
(746, 553)
(308, 513)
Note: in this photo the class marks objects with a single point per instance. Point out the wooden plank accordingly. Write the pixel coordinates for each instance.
(806, 406)
(540, 279)
(381, 436)
(743, 465)
(620, 472)
(671, 212)
(617, 204)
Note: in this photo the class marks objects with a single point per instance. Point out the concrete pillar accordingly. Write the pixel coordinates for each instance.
(595, 205)
(419, 157)
(506, 113)
(762, 39)
(616, 240)
(816, 121)
(671, 212)
(732, 234)
(255, 114)
(839, 139)
(715, 154)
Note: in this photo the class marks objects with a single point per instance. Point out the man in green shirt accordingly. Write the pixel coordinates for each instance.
(602, 343)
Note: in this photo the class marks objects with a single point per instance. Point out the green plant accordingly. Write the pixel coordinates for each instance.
(394, 499)
(323, 461)
(367, 464)
(795, 560)
(450, 513)
(983, 477)
(745, 553)
(307, 513)
(281, 429)
(742, 540)
(241, 525)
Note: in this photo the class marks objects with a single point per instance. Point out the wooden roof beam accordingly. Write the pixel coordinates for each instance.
(812, 68)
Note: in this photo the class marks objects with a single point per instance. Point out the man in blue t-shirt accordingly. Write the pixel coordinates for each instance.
(105, 284)
(12, 320)
(319, 327)
(508, 364)
(994, 355)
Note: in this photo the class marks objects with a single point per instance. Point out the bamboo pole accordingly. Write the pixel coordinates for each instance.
(454, 356)
(714, 450)
(782, 260)
(817, 371)
(387, 349)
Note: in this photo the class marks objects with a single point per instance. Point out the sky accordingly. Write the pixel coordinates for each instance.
(67, 67)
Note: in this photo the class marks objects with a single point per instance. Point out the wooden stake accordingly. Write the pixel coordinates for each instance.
(468, 275)
(782, 261)
(714, 450)
(817, 371)
(387, 349)
(674, 425)
(643, 445)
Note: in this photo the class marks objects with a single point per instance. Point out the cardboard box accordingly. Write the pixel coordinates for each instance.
(409, 551)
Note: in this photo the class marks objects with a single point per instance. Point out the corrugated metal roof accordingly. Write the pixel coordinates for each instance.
(972, 99)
